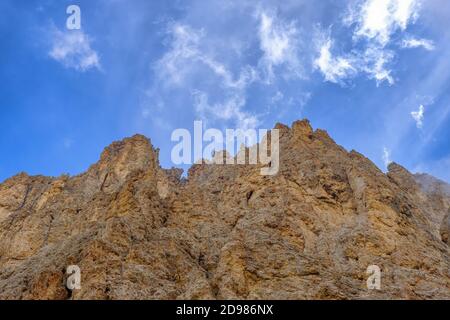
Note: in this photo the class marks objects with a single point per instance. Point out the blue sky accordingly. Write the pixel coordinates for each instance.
(373, 73)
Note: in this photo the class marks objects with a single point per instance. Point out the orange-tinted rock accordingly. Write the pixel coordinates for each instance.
(138, 231)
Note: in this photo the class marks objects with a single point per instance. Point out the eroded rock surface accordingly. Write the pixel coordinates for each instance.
(138, 231)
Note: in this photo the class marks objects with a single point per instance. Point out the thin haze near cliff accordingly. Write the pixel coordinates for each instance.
(373, 73)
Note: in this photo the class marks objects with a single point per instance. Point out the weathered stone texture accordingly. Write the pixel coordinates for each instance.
(138, 231)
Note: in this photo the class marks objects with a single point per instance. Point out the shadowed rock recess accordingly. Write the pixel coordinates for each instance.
(138, 231)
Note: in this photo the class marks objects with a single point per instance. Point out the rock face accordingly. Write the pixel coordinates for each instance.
(138, 231)
(438, 193)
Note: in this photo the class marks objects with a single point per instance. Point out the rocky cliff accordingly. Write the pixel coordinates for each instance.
(138, 231)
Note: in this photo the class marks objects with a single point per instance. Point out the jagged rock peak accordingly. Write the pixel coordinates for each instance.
(135, 148)
(302, 128)
(401, 176)
(128, 155)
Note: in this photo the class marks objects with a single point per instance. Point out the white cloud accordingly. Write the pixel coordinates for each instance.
(187, 58)
(417, 43)
(418, 116)
(173, 66)
(333, 69)
(73, 49)
(279, 96)
(275, 40)
(386, 157)
(221, 75)
(185, 52)
(279, 42)
(379, 19)
(405, 11)
(375, 22)
(230, 109)
(374, 62)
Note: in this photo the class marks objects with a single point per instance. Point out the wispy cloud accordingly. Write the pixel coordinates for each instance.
(173, 66)
(194, 54)
(279, 42)
(374, 61)
(185, 51)
(377, 21)
(187, 59)
(371, 61)
(373, 24)
(386, 157)
(73, 49)
(418, 116)
(229, 109)
(334, 69)
(418, 43)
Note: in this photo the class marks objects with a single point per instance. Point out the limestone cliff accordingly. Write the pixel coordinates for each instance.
(138, 231)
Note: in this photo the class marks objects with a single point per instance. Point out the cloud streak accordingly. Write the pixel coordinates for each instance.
(386, 157)
(418, 43)
(418, 116)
